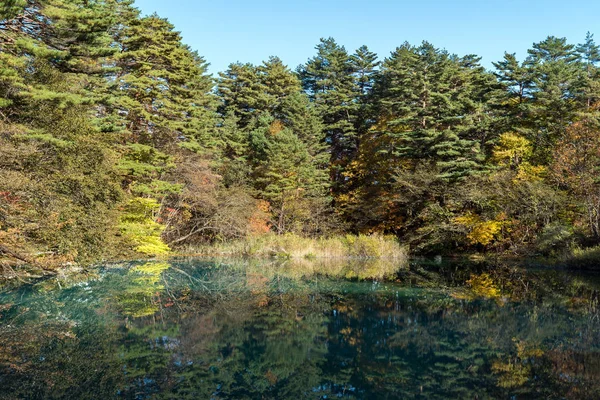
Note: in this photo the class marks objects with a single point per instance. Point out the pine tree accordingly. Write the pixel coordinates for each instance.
(302, 117)
(278, 82)
(11, 8)
(234, 168)
(42, 39)
(64, 173)
(433, 124)
(242, 93)
(365, 65)
(162, 86)
(275, 94)
(431, 103)
(162, 97)
(514, 99)
(589, 53)
(285, 174)
(328, 79)
(556, 70)
(248, 91)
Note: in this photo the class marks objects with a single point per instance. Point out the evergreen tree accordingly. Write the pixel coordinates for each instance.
(278, 82)
(589, 53)
(285, 174)
(514, 99)
(162, 86)
(556, 78)
(302, 117)
(242, 92)
(433, 124)
(431, 106)
(234, 154)
(269, 126)
(364, 63)
(328, 79)
(45, 38)
(248, 91)
(62, 170)
(10, 9)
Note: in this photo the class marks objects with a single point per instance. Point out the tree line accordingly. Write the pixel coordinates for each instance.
(115, 140)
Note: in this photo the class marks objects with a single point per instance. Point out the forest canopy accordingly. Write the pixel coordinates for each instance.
(115, 141)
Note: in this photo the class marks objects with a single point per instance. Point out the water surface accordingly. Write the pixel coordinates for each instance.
(211, 330)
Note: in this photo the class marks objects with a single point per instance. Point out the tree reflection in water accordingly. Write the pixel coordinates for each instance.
(193, 329)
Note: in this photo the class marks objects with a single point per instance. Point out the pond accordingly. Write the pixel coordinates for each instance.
(202, 329)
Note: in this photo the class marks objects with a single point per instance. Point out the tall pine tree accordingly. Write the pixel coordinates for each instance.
(328, 79)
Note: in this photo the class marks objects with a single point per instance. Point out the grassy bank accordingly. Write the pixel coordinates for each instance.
(585, 259)
(380, 269)
(296, 247)
(348, 256)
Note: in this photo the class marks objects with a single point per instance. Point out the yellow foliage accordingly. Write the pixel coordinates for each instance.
(516, 372)
(512, 374)
(512, 149)
(530, 173)
(138, 226)
(151, 268)
(138, 299)
(355, 169)
(484, 286)
(524, 351)
(276, 127)
(384, 125)
(484, 232)
(480, 231)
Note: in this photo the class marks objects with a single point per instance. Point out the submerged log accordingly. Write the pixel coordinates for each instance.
(17, 255)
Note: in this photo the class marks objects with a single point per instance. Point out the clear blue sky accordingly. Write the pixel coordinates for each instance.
(250, 31)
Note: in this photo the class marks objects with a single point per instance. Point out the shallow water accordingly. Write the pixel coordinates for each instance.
(207, 330)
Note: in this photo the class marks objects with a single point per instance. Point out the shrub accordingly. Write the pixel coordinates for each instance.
(138, 227)
(584, 258)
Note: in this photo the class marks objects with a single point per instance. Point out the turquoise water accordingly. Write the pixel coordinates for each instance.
(206, 330)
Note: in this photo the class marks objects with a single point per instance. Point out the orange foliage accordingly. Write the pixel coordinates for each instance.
(271, 377)
(575, 167)
(259, 222)
(577, 156)
(276, 127)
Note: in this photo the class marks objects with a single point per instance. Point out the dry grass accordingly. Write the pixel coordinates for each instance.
(261, 270)
(292, 256)
(296, 247)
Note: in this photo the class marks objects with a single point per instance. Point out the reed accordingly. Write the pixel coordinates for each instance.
(292, 246)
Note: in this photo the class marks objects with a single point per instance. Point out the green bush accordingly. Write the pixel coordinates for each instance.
(139, 228)
(585, 258)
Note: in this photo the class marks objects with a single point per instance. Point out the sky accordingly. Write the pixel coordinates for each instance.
(250, 31)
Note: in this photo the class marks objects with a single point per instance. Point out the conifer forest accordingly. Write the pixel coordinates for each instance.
(412, 225)
(116, 143)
